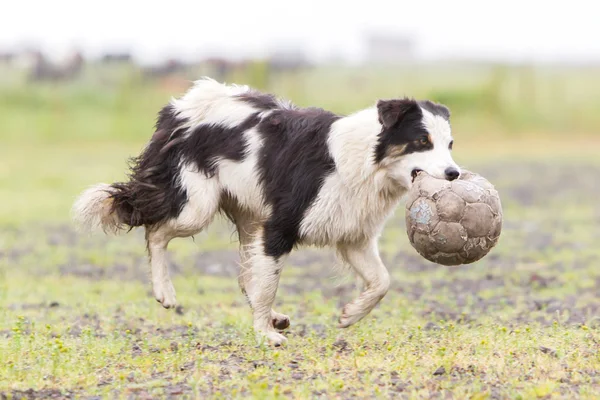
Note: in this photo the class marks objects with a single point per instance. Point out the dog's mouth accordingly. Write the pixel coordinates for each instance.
(415, 173)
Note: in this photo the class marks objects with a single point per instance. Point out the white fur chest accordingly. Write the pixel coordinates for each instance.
(347, 214)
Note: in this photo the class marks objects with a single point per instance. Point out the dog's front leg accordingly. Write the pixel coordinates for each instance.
(247, 233)
(364, 259)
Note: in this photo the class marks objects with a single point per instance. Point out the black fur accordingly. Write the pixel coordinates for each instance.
(402, 126)
(151, 196)
(260, 101)
(435, 109)
(293, 164)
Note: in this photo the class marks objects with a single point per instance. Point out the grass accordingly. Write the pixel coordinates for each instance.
(77, 317)
(210, 355)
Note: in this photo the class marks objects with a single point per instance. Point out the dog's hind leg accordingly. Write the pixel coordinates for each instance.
(157, 240)
(247, 230)
(201, 206)
(365, 260)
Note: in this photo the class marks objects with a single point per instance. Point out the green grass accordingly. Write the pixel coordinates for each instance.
(77, 315)
(216, 354)
(104, 335)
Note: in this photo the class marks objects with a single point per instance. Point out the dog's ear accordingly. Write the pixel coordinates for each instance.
(392, 112)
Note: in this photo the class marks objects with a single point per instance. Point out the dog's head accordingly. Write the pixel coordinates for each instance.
(415, 136)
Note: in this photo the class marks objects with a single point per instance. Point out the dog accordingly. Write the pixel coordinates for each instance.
(285, 176)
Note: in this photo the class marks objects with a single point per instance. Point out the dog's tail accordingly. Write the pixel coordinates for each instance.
(95, 209)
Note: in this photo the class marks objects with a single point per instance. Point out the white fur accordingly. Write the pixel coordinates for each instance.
(242, 177)
(199, 211)
(367, 264)
(162, 286)
(92, 210)
(203, 200)
(250, 239)
(262, 288)
(210, 102)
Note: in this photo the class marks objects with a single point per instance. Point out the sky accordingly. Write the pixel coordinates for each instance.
(502, 30)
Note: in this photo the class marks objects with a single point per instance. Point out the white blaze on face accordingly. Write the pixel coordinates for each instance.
(435, 162)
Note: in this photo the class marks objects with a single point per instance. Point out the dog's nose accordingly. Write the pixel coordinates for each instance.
(451, 173)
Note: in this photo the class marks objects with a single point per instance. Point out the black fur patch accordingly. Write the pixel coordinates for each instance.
(207, 143)
(152, 196)
(402, 126)
(293, 165)
(262, 101)
(435, 108)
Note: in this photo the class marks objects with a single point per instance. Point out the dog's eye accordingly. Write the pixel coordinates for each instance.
(424, 141)
(450, 145)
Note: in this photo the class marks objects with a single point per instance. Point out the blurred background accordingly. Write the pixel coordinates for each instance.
(74, 76)
(84, 80)
(503, 68)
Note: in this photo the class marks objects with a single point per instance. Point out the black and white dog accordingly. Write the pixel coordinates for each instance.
(285, 176)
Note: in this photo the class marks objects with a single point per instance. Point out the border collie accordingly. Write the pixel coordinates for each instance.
(285, 176)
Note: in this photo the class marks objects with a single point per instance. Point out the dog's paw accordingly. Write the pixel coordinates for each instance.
(164, 293)
(271, 337)
(348, 318)
(346, 321)
(280, 321)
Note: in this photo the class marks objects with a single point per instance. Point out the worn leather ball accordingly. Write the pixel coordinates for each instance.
(453, 222)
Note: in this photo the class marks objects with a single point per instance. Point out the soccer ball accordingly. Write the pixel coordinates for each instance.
(453, 222)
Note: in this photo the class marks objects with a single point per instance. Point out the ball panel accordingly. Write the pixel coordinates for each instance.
(450, 206)
(492, 242)
(467, 191)
(466, 175)
(474, 250)
(449, 237)
(476, 219)
(424, 245)
(422, 215)
(447, 259)
(429, 186)
(476, 179)
(496, 229)
(493, 200)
